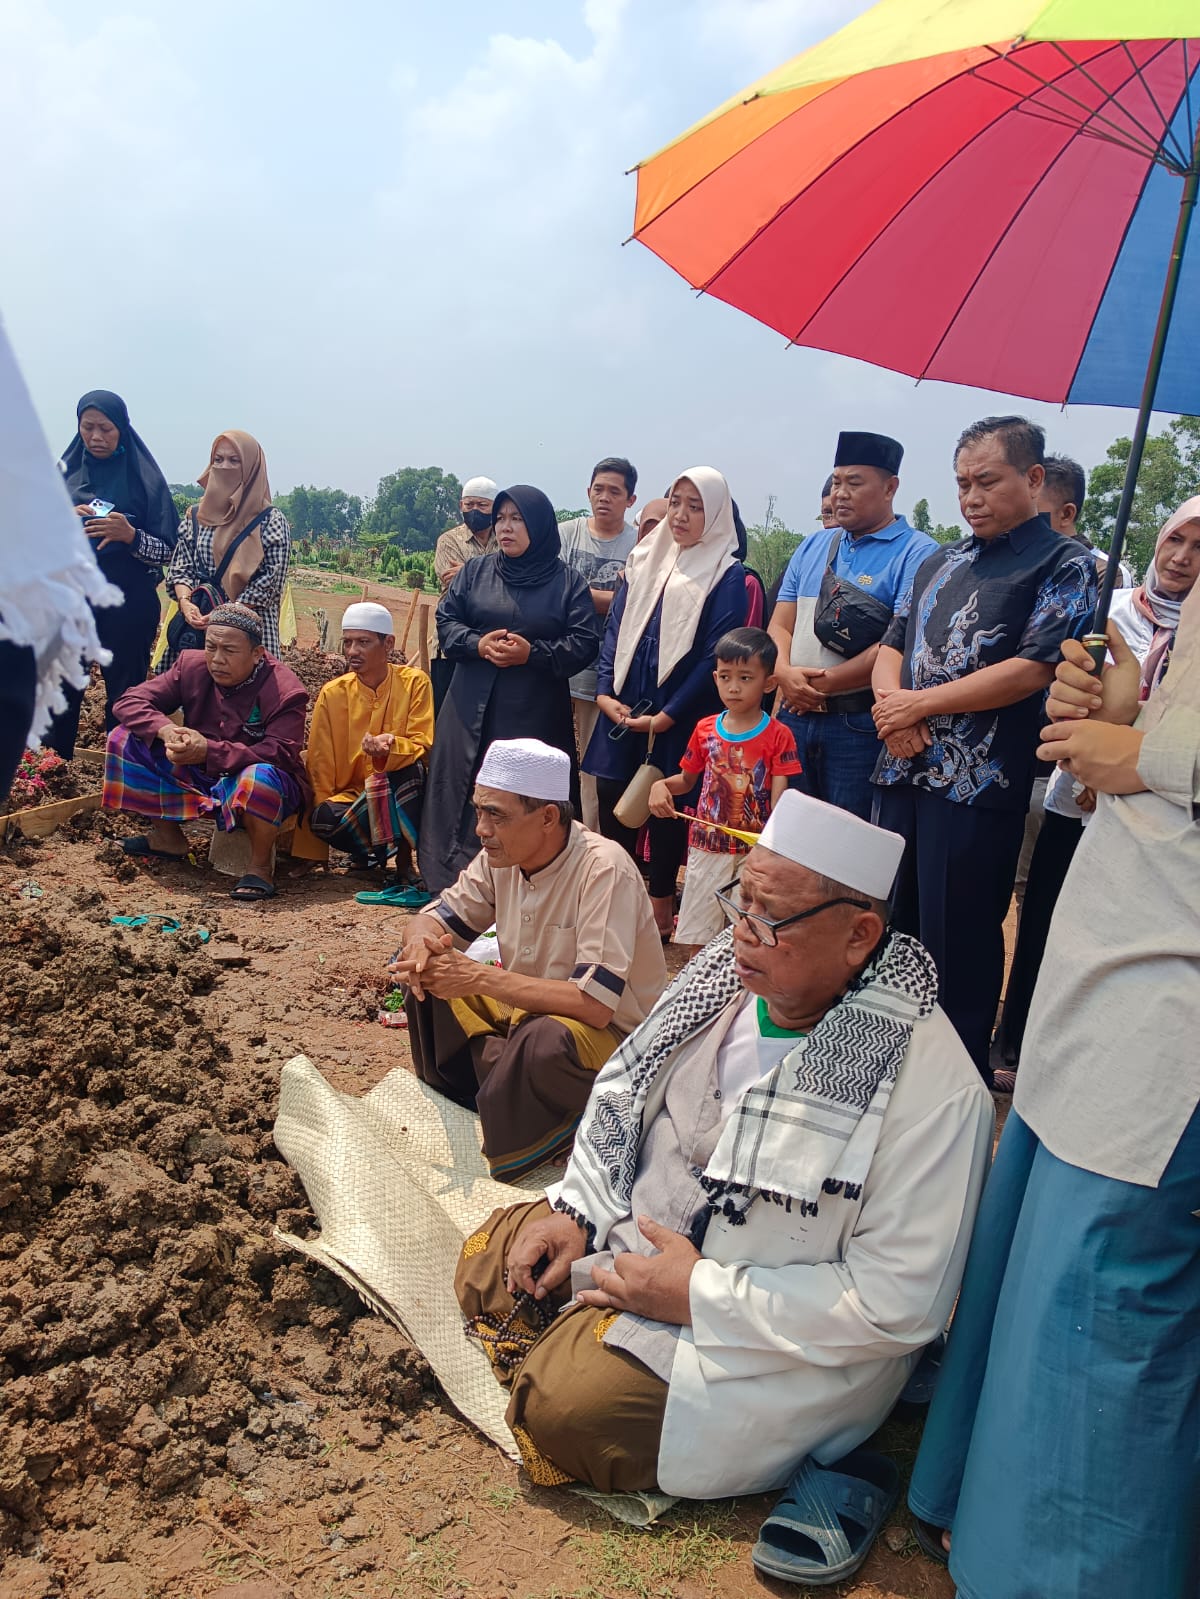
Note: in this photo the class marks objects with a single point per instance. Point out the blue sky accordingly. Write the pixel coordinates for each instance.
(390, 234)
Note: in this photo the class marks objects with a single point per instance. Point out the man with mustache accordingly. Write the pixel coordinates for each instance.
(581, 962)
(836, 601)
(376, 715)
(766, 1212)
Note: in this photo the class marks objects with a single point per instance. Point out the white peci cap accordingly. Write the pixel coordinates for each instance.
(369, 616)
(479, 488)
(835, 843)
(528, 767)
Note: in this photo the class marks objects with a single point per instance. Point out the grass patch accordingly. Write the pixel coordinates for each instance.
(651, 1563)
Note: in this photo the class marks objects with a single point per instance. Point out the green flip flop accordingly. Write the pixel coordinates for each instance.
(406, 898)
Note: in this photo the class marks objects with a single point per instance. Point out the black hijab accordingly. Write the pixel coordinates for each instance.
(544, 555)
(130, 478)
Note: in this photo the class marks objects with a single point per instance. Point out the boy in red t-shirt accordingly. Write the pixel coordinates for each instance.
(746, 760)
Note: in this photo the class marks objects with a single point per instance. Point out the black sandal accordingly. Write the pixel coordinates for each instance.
(251, 889)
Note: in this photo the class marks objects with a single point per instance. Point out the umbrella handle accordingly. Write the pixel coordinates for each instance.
(1096, 644)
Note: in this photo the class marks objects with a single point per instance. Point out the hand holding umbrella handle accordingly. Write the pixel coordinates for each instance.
(1096, 644)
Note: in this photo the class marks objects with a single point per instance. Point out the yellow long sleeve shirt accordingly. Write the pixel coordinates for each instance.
(345, 712)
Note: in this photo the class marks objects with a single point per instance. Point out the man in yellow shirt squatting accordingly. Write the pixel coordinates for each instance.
(375, 717)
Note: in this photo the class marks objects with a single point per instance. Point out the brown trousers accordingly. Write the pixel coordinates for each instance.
(580, 1411)
(528, 1076)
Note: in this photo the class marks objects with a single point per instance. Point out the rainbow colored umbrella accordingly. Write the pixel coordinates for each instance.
(991, 192)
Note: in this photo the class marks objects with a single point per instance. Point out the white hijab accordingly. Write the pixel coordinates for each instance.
(683, 579)
(48, 573)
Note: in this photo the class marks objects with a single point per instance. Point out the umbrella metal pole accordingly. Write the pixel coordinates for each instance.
(1095, 642)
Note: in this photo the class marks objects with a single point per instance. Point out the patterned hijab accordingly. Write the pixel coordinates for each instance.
(233, 497)
(1156, 606)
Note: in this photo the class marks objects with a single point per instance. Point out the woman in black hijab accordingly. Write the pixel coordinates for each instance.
(517, 624)
(107, 465)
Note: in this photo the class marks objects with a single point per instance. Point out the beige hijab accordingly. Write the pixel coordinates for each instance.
(684, 579)
(233, 498)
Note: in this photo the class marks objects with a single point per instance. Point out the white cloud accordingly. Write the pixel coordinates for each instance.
(765, 33)
(369, 264)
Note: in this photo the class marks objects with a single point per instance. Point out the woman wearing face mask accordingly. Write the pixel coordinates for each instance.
(235, 542)
(517, 624)
(684, 588)
(129, 519)
(1147, 618)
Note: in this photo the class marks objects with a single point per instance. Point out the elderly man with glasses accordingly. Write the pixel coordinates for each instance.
(765, 1215)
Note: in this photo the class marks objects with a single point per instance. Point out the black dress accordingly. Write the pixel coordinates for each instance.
(132, 481)
(486, 702)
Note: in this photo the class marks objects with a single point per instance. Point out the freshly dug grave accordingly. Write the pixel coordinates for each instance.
(153, 1335)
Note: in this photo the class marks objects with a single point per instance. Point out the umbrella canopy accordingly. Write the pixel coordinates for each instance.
(978, 191)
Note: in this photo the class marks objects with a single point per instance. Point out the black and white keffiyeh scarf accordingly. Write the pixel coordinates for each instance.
(808, 1127)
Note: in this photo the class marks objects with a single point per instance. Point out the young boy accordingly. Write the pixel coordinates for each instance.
(746, 760)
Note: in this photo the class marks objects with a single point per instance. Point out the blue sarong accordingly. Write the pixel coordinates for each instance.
(1063, 1444)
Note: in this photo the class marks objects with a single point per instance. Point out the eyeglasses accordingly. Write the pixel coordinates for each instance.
(766, 931)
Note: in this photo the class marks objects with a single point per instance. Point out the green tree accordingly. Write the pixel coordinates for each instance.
(413, 506)
(322, 513)
(1170, 473)
(770, 548)
(185, 494)
(570, 516)
(924, 523)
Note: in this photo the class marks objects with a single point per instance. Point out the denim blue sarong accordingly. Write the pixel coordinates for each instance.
(1063, 1444)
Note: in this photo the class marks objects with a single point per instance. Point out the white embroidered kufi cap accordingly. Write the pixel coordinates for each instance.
(526, 766)
(835, 843)
(368, 616)
(479, 488)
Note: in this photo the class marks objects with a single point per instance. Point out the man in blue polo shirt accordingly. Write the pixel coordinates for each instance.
(959, 682)
(837, 600)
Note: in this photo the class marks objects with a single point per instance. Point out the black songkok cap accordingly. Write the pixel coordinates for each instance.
(869, 449)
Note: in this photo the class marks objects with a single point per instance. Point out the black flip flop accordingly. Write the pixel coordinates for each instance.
(930, 1539)
(250, 889)
(141, 845)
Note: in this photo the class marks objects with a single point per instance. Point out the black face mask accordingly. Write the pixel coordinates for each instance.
(477, 520)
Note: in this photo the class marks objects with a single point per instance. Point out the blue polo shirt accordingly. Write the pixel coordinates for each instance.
(883, 564)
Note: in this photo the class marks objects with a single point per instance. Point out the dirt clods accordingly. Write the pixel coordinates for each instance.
(153, 1332)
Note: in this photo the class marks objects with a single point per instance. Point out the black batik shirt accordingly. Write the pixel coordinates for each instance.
(974, 604)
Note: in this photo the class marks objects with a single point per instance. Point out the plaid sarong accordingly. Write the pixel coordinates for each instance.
(349, 827)
(138, 777)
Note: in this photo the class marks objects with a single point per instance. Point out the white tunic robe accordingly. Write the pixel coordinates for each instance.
(805, 1328)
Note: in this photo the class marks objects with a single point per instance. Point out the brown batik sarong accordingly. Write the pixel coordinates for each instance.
(580, 1411)
(529, 1077)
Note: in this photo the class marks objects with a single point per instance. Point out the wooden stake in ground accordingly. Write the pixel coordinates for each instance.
(414, 606)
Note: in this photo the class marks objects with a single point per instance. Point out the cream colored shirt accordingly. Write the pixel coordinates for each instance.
(456, 547)
(1110, 1073)
(584, 919)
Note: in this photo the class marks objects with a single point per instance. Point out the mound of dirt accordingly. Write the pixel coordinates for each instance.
(43, 777)
(153, 1333)
(313, 667)
(92, 733)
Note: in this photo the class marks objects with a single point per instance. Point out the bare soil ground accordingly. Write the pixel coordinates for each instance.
(187, 1411)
